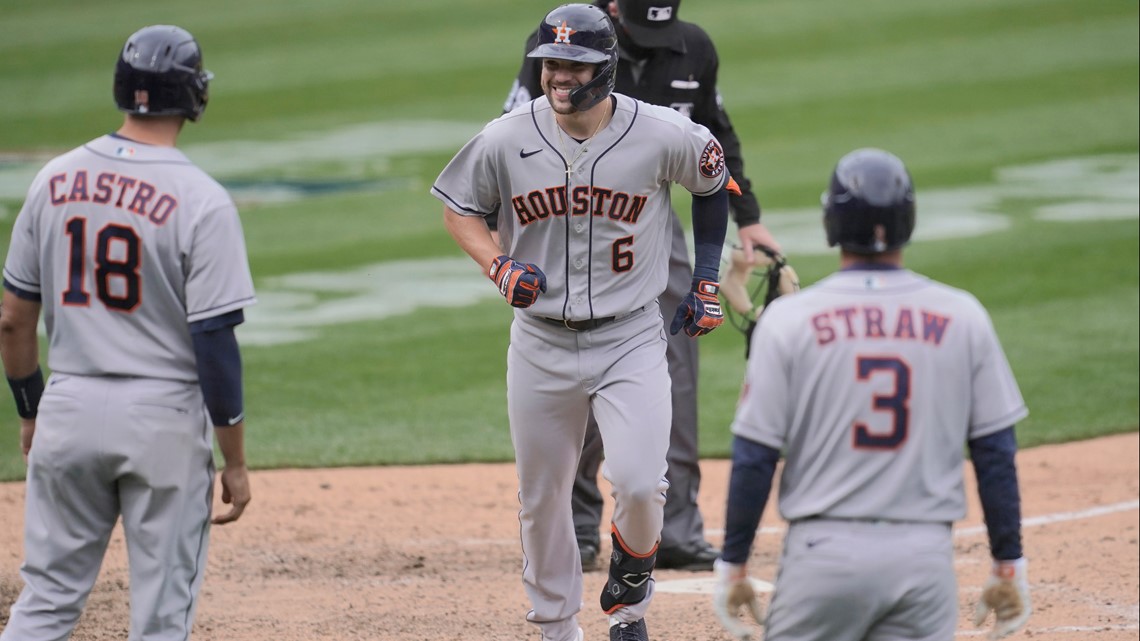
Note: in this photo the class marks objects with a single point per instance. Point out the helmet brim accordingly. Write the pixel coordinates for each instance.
(576, 53)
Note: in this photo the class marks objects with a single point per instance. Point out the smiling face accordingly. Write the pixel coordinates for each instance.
(560, 77)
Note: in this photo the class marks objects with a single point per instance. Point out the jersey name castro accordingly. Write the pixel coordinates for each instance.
(595, 215)
(119, 190)
(127, 244)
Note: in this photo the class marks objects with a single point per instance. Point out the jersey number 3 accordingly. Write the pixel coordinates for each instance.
(116, 262)
(895, 404)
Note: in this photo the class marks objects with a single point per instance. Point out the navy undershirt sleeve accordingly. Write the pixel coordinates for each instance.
(993, 458)
(219, 367)
(753, 468)
(710, 224)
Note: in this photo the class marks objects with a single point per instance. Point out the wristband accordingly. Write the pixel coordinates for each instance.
(27, 392)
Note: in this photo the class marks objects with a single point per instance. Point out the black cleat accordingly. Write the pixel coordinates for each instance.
(629, 631)
(588, 552)
(695, 557)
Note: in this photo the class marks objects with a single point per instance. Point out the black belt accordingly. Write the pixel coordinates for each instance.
(584, 325)
(578, 325)
(847, 519)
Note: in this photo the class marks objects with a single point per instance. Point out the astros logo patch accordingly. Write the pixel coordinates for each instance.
(712, 160)
(562, 34)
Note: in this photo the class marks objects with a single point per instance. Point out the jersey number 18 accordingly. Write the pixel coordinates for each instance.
(108, 266)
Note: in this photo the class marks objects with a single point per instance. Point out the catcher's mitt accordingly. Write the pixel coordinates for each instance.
(748, 289)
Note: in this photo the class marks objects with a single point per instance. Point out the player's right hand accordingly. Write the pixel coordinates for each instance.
(235, 492)
(1006, 594)
(733, 595)
(519, 283)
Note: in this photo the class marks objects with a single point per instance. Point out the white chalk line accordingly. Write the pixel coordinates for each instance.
(1059, 517)
(1061, 629)
(1033, 521)
(707, 585)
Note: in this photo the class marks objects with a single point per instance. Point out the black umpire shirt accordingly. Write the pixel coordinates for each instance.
(683, 78)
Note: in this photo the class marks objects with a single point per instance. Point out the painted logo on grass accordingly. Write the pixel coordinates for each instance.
(1063, 191)
(296, 307)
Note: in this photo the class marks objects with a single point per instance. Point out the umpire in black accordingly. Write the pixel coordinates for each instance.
(669, 62)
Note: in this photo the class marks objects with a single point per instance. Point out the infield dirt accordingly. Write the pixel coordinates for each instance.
(431, 553)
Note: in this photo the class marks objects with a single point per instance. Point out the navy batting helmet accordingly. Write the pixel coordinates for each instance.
(582, 33)
(159, 73)
(869, 206)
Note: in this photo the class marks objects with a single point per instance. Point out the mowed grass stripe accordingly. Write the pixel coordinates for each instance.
(959, 89)
(788, 27)
(920, 63)
(954, 148)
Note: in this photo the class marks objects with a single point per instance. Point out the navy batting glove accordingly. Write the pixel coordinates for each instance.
(699, 312)
(519, 283)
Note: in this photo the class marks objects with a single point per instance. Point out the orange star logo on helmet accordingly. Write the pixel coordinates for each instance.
(562, 34)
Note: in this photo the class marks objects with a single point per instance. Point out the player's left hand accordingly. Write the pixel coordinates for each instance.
(733, 595)
(699, 312)
(235, 492)
(1006, 594)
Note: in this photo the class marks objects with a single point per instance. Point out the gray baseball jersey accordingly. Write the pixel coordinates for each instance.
(608, 221)
(911, 369)
(126, 244)
(596, 218)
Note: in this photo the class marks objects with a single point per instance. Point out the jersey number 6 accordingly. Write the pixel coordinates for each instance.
(621, 259)
(896, 404)
(123, 265)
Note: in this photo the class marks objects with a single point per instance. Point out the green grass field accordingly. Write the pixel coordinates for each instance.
(378, 342)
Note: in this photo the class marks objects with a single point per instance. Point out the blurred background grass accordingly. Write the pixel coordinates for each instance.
(330, 120)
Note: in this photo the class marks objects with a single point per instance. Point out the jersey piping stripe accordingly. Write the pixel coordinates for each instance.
(202, 539)
(566, 219)
(244, 302)
(22, 289)
(593, 169)
(456, 206)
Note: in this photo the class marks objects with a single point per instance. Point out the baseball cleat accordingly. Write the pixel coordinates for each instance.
(697, 557)
(628, 631)
(588, 552)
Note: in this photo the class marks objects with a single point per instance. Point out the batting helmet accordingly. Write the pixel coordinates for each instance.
(869, 206)
(159, 73)
(582, 33)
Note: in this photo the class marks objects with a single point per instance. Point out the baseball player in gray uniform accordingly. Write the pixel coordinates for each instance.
(666, 61)
(870, 382)
(581, 180)
(137, 261)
